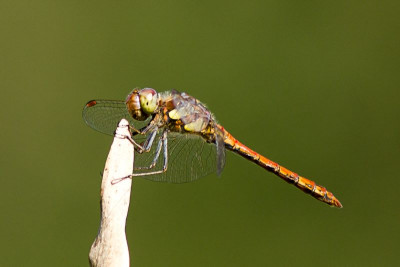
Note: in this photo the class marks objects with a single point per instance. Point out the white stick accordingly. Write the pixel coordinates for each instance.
(110, 247)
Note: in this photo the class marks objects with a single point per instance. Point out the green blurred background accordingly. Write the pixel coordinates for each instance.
(313, 85)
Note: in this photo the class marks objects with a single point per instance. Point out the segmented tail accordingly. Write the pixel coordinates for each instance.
(307, 186)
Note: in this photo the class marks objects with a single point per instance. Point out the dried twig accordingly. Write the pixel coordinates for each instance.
(110, 247)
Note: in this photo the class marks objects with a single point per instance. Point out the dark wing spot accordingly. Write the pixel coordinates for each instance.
(91, 103)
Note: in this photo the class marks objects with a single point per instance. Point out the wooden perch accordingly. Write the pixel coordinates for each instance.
(110, 247)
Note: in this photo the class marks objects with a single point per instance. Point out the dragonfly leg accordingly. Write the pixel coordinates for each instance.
(137, 146)
(151, 126)
(164, 141)
(154, 162)
(133, 129)
(149, 142)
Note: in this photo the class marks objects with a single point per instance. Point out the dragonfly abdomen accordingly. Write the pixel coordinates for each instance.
(306, 185)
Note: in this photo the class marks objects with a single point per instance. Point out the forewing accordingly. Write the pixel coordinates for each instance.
(190, 157)
(104, 115)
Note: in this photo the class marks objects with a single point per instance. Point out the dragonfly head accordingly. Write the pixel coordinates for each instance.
(142, 103)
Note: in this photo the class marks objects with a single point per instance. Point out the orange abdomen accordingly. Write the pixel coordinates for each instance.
(306, 185)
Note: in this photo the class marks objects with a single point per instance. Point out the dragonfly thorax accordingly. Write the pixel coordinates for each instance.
(142, 103)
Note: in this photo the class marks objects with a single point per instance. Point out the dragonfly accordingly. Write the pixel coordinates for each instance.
(179, 140)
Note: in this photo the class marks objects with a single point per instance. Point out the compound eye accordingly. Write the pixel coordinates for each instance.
(148, 100)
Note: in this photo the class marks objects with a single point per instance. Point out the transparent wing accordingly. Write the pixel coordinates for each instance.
(190, 157)
(104, 115)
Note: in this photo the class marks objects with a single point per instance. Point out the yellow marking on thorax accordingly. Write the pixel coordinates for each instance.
(174, 114)
(196, 126)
